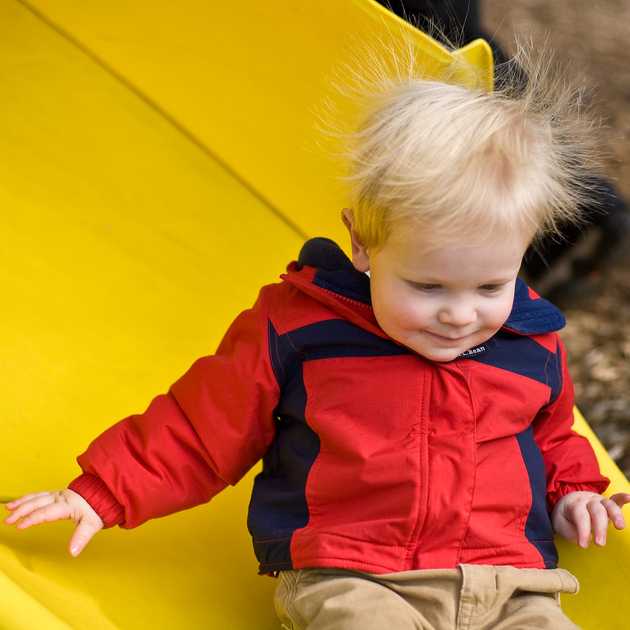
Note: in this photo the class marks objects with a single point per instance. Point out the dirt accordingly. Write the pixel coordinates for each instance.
(593, 37)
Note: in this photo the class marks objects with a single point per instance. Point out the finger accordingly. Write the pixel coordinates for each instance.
(29, 506)
(621, 498)
(566, 529)
(581, 519)
(27, 497)
(599, 520)
(615, 514)
(47, 514)
(82, 536)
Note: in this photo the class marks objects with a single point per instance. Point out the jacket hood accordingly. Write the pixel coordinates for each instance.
(325, 272)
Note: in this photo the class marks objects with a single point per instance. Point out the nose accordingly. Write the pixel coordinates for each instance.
(459, 312)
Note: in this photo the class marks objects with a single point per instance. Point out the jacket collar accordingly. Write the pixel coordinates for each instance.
(334, 271)
(532, 314)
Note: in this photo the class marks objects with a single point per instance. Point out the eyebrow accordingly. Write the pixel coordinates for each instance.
(444, 281)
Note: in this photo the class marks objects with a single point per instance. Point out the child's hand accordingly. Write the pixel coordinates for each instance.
(577, 512)
(44, 507)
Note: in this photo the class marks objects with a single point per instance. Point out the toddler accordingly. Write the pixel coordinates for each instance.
(411, 406)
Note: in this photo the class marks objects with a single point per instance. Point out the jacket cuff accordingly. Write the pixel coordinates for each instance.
(102, 501)
(566, 488)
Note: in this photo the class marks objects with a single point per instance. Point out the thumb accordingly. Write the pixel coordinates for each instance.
(82, 535)
(621, 498)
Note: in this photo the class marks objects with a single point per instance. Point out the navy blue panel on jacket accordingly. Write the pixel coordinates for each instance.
(538, 528)
(523, 356)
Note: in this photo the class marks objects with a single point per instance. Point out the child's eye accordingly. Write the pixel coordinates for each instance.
(491, 288)
(425, 286)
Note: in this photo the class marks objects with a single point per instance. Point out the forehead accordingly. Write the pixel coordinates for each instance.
(415, 255)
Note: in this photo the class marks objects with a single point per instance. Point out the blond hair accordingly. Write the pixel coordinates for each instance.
(453, 161)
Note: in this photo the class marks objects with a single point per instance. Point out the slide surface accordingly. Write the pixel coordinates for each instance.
(159, 163)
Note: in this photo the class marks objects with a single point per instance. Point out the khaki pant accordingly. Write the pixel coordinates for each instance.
(471, 597)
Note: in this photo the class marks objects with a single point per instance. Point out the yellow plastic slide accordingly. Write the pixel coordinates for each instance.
(158, 164)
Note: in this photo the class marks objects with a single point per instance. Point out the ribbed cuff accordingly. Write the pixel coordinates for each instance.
(97, 494)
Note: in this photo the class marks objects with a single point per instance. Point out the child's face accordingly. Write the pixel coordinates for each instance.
(444, 301)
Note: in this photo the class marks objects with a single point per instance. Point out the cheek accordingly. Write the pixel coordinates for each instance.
(398, 310)
(495, 315)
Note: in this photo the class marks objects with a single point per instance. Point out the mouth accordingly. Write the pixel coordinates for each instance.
(446, 340)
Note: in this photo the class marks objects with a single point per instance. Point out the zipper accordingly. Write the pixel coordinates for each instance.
(347, 299)
(373, 325)
(423, 472)
(337, 295)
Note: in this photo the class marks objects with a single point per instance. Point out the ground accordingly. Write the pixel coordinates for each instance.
(593, 37)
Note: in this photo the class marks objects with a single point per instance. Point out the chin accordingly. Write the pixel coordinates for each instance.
(444, 357)
(441, 355)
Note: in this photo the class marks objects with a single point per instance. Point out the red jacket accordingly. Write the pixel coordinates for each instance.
(374, 458)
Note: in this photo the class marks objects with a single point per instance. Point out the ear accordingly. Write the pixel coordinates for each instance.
(360, 258)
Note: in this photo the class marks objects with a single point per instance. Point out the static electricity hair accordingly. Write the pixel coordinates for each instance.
(456, 162)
